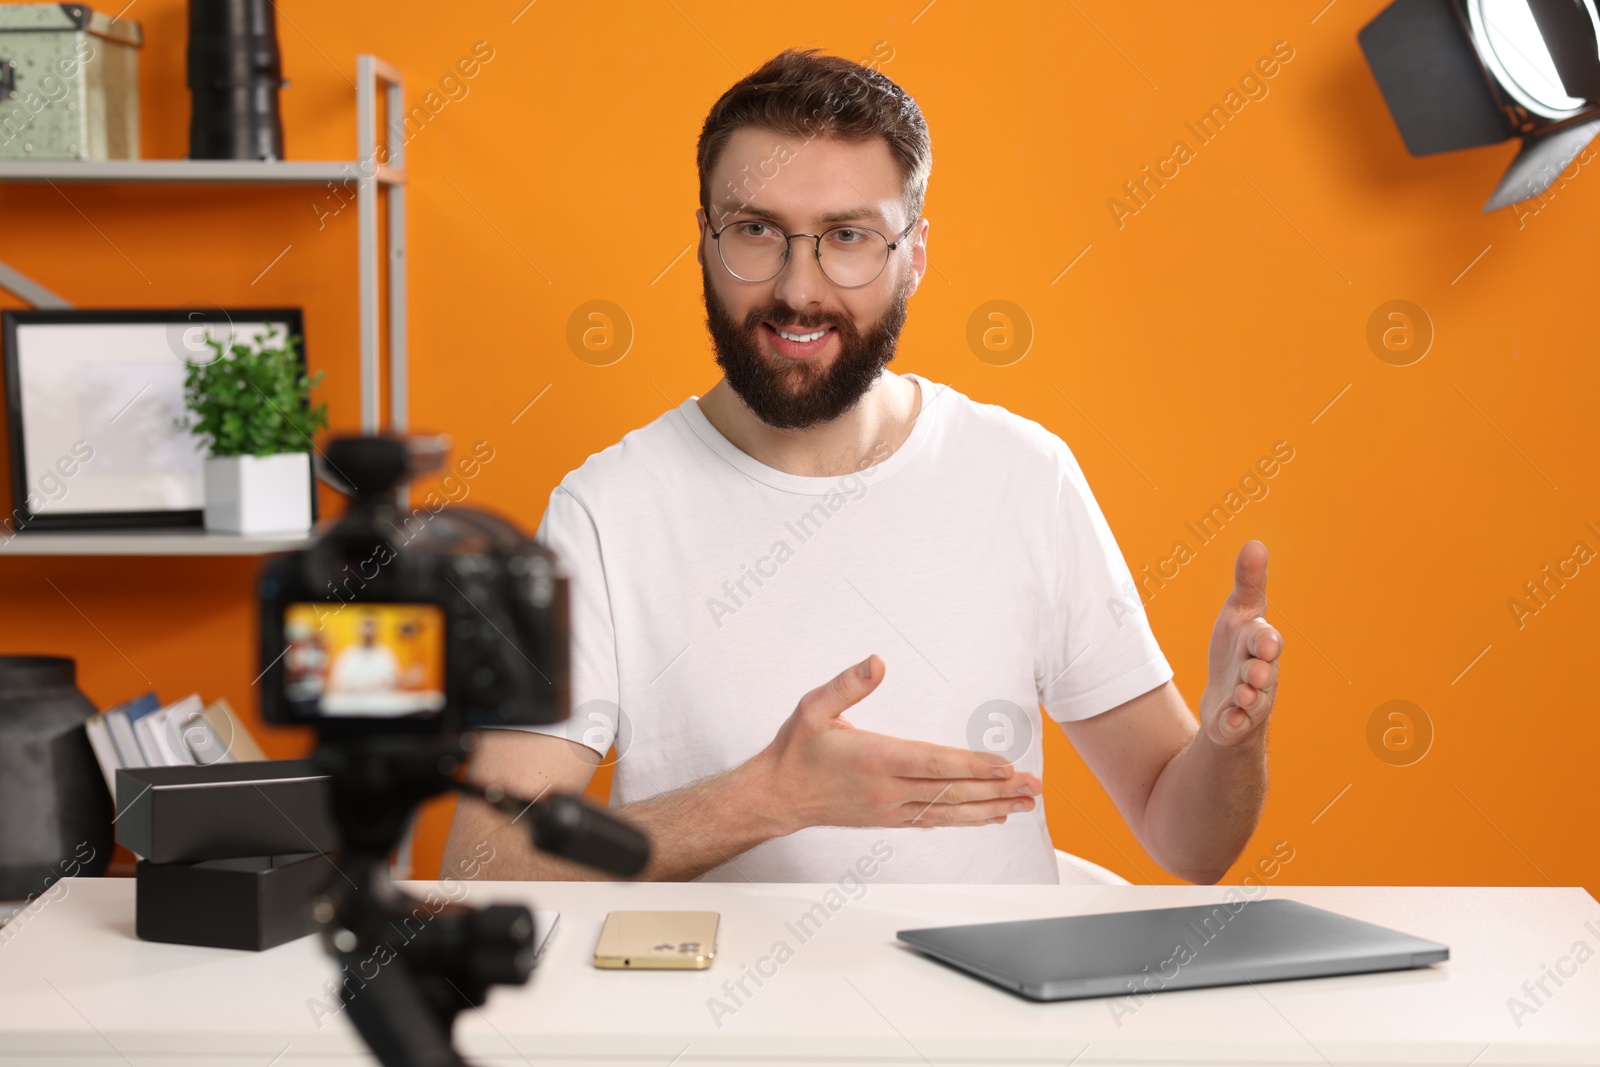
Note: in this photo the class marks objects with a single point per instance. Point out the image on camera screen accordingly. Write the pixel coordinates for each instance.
(373, 660)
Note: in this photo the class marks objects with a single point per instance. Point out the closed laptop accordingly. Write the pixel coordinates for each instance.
(1139, 952)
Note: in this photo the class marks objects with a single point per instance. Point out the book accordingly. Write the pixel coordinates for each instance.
(203, 743)
(127, 745)
(119, 722)
(155, 738)
(166, 727)
(178, 721)
(139, 707)
(105, 753)
(236, 740)
(144, 730)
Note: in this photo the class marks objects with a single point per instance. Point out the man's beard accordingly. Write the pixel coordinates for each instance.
(795, 394)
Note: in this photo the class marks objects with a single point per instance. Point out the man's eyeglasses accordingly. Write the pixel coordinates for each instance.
(850, 256)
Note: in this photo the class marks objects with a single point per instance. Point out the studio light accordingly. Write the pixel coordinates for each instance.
(1463, 73)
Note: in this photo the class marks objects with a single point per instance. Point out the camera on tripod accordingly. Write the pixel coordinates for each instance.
(458, 625)
(395, 644)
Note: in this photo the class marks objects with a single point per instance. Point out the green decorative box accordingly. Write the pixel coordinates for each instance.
(69, 83)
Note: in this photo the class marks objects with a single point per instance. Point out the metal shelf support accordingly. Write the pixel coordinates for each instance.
(388, 159)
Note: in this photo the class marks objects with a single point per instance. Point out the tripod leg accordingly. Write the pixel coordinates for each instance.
(394, 1018)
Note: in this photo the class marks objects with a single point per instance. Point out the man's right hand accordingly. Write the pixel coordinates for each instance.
(820, 770)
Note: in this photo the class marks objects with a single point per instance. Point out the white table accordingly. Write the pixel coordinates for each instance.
(76, 987)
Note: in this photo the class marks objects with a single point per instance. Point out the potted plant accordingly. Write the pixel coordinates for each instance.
(251, 408)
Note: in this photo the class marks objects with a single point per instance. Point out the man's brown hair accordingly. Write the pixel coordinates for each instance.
(809, 94)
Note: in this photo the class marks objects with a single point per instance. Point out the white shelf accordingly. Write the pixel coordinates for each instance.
(173, 542)
(214, 171)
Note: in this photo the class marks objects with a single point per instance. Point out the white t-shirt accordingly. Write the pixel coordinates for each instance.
(710, 592)
(361, 669)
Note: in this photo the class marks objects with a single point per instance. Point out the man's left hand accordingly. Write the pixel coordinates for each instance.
(1243, 661)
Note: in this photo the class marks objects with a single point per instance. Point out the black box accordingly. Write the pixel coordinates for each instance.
(223, 811)
(252, 903)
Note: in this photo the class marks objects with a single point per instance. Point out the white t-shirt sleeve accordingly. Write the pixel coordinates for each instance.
(569, 531)
(1100, 651)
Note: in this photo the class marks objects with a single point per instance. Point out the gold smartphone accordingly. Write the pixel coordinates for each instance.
(655, 940)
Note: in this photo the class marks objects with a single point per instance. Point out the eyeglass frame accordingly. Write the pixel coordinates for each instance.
(817, 248)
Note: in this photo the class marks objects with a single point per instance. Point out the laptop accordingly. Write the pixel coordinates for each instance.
(1138, 952)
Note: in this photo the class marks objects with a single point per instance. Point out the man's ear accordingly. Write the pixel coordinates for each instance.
(700, 235)
(919, 255)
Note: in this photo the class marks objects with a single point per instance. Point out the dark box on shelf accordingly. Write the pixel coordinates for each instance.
(251, 903)
(224, 811)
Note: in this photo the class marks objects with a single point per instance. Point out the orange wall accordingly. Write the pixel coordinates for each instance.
(1222, 317)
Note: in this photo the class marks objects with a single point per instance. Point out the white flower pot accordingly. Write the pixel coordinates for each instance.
(258, 494)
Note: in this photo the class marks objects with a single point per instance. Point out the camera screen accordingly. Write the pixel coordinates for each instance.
(366, 660)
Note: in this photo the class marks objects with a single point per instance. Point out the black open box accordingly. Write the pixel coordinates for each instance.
(251, 903)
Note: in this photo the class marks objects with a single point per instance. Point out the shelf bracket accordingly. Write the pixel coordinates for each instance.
(29, 291)
(388, 174)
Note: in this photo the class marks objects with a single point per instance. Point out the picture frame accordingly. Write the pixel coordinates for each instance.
(91, 395)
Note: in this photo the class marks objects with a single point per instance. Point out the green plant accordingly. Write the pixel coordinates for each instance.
(252, 399)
